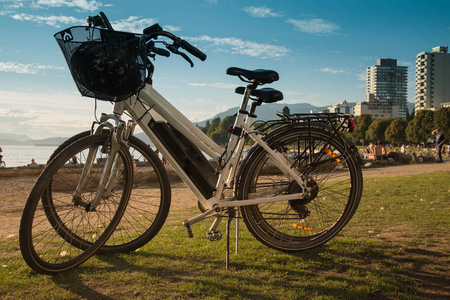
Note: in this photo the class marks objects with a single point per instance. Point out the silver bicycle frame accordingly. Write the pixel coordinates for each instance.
(153, 106)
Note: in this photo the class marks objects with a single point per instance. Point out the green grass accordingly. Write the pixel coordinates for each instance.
(395, 247)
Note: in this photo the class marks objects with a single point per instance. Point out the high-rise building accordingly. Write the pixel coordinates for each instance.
(387, 82)
(432, 79)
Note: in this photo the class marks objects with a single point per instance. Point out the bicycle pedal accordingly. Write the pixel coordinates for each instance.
(188, 228)
(214, 236)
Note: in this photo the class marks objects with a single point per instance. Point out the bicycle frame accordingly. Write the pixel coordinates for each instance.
(150, 106)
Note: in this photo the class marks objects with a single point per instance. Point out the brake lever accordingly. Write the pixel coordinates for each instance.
(184, 55)
(172, 48)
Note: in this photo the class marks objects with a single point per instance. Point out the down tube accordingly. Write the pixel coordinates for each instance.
(176, 119)
(140, 115)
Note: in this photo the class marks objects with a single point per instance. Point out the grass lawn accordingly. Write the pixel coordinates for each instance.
(395, 247)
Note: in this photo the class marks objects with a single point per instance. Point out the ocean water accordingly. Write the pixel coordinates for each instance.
(18, 156)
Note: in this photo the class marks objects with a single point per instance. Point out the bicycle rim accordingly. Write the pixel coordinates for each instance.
(58, 232)
(333, 175)
(149, 201)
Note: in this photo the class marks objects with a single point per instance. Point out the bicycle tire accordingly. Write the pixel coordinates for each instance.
(57, 233)
(333, 174)
(150, 198)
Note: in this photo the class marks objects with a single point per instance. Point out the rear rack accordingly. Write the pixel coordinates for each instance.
(337, 121)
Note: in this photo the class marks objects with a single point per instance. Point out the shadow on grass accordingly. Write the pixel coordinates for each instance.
(346, 268)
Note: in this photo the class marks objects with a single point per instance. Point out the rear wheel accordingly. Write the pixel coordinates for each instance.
(332, 173)
(58, 230)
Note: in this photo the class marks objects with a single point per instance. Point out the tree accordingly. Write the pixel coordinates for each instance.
(376, 130)
(222, 134)
(420, 128)
(286, 111)
(410, 117)
(442, 121)
(411, 132)
(362, 124)
(395, 132)
(205, 129)
(213, 126)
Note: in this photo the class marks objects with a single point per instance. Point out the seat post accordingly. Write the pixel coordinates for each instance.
(250, 87)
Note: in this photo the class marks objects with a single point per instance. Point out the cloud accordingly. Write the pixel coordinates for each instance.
(20, 68)
(137, 25)
(261, 12)
(55, 21)
(41, 115)
(14, 5)
(406, 63)
(83, 4)
(171, 28)
(219, 85)
(314, 26)
(238, 46)
(132, 24)
(332, 71)
(362, 76)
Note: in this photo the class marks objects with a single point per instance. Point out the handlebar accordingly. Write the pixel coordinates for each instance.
(177, 43)
(152, 33)
(193, 50)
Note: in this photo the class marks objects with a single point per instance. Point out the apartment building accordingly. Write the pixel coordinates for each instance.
(386, 90)
(341, 107)
(377, 109)
(387, 82)
(432, 79)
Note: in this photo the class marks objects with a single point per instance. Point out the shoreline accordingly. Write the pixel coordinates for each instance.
(34, 171)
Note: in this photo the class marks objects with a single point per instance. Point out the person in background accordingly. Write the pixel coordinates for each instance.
(440, 139)
(378, 150)
(1, 156)
(369, 151)
(383, 151)
(403, 149)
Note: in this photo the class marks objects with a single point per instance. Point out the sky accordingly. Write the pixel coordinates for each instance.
(321, 50)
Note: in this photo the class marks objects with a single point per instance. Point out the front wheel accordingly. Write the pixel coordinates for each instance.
(149, 201)
(59, 230)
(332, 173)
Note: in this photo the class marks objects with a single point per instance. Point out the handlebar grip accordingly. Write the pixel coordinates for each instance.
(193, 50)
(162, 52)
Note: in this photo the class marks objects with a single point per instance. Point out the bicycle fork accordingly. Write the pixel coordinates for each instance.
(111, 169)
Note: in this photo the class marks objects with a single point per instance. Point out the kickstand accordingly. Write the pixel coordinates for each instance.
(231, 215)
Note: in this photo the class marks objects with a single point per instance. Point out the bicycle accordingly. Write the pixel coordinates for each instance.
(296, 188)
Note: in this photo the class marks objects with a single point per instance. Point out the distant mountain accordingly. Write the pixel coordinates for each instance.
(56, 141)
(14, 137)
(268, 111)
(12, 141)
(411, 106)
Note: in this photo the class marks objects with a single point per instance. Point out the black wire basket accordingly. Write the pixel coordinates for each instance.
(106, 65)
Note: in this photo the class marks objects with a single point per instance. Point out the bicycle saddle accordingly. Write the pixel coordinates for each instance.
(266, 95)
(260, 75)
